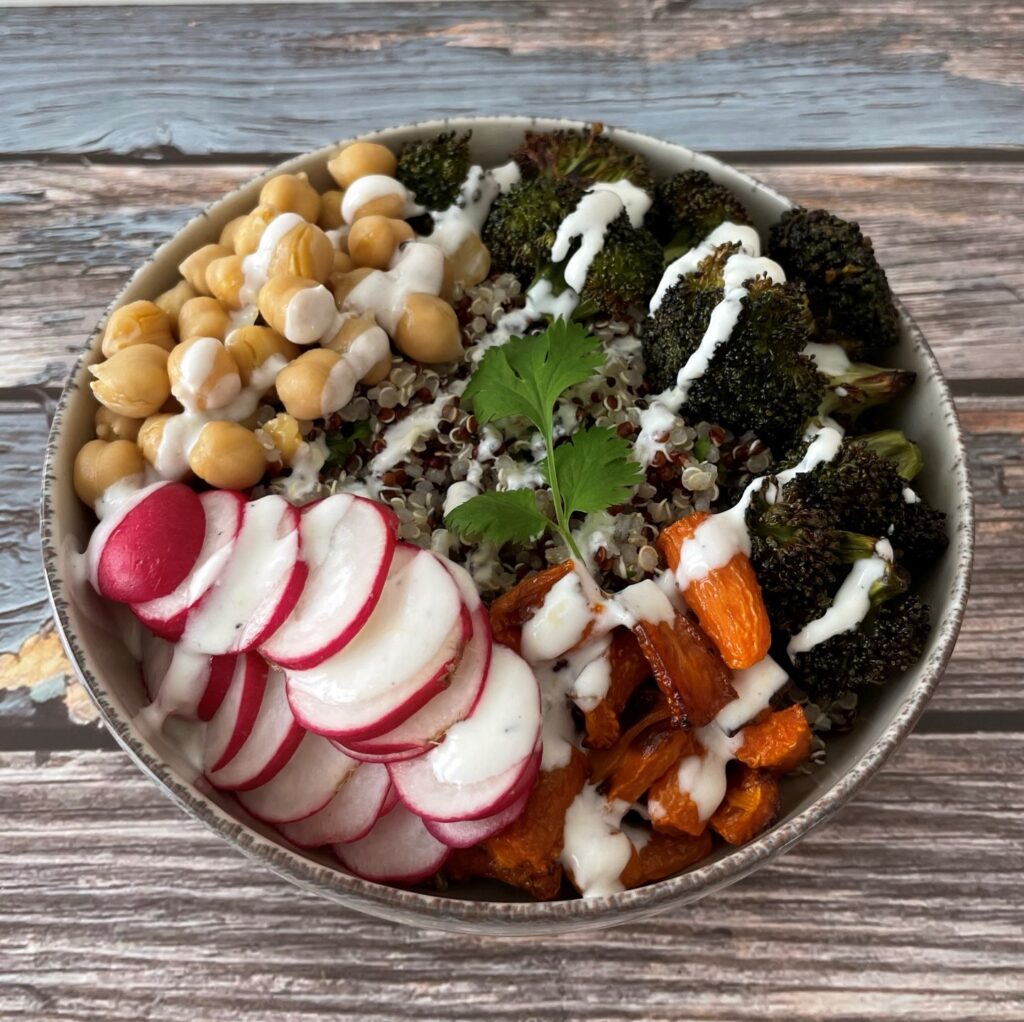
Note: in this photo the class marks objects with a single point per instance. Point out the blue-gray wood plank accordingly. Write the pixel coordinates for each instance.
(727, 76)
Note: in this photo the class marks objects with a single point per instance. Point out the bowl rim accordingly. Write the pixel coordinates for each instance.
(499, 917)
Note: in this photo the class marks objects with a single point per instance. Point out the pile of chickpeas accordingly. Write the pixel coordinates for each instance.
(152, 349)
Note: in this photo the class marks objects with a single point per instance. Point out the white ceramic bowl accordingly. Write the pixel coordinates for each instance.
(111, 676)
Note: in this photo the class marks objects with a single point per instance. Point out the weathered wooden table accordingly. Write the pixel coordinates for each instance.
(117, 123)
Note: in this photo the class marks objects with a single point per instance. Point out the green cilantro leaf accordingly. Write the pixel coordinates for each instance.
(499, 516)
(527, 375)
(595, 470)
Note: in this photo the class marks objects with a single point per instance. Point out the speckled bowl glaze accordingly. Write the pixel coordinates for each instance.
(111, 676)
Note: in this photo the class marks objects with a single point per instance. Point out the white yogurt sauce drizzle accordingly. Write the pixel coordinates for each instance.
(256, 266)
(596, 850)
(415, 268)
(831, 358)
(851, 603)
(376, 186)
(467, 214)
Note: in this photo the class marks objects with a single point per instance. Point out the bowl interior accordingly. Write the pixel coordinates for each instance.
(110, 671)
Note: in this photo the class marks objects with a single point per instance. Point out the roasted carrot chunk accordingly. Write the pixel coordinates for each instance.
(672, 810)
(727, 601)
(696, 682)
(664, 855)
(526, 854)
(628, 667)
(649, 755)
(780, 742)
(751, 803)
(513, 609)
(604, 762)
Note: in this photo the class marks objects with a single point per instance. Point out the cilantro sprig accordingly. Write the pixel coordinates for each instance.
(593, 471)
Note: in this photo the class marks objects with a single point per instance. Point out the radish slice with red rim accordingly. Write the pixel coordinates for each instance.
(274, 737)
(233, 722)
(348, 543)
(259, 586)
(349, 815)
(222, 515)
(399, 850)
(307, 782)
(401, 658)
(466, 833)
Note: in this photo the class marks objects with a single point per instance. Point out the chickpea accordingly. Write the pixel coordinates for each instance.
(203, 374)
(151, 435)
(111, 426)
(229, 232)
(346, 335)
(284, 433)
(133, 381)
(202, 317)
(360, 159)
(330, 218)
(228, 456)
(305, 251)
(193, 269)
(302, 386)
(137, 323)
(172, 300)
(471, 261)
(225, 278)
(297, 307)
(428, 330)
(292, 193)
(390, 204)
(374, 240)
(248, 234)
(342, 265)
(252, 346)
(101, 463)
(347, 282)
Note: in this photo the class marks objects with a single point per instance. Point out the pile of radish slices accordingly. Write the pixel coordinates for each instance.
(347, 683)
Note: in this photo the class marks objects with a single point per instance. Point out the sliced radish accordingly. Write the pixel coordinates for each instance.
(275, 735)
(466, 833)
(146, 548)
(420, 732)
(399, 850)
(390, 800)
(308, 781)
(349, 815)
(222, 670)
(233, 722)
(479, 767)
(259, 586)
(401, 658)
(348, 543)
(222, 511)
(378, 757)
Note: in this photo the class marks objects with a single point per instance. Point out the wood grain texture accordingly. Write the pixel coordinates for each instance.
(718, 75)
(170, 923)
(71, 235)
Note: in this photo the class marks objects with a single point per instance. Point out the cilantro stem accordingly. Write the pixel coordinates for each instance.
(561, 518)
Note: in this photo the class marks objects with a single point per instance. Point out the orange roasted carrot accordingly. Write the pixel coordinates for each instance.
(663, 855)
(751, 803)
(513, 609)
(672, 810)
(628, 668)
(689, 671)
(526, 854)
(648, 756)
(780, 742)
(727, 601)
(604, 762)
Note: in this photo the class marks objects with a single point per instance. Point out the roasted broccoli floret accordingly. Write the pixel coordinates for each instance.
(862, 490)
(848, 291)
(624, 274)
(521, 229)
(434, 169)
(522, 224)
(890, 640)
(583, 158)
(688, 207)
(797, 556)
(861, 386)
(758, 380)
